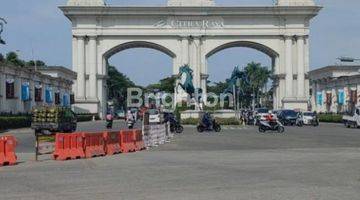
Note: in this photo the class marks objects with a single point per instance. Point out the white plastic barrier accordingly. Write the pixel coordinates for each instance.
(154, 135)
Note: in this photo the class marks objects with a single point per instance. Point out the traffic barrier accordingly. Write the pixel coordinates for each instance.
(127, 142)
(7, 150)
(154, 135)
(112, 143)
(138, 138)
(69, 146)
(94, 145)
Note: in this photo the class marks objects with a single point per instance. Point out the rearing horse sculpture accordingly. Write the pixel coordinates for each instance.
(186, 83)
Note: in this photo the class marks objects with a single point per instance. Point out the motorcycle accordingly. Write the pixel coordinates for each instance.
(109, 124)
(130, 124)
(215, 127)
(175, 125)
(271, 126)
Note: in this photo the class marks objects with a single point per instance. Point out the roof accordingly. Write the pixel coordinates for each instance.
(334, 71)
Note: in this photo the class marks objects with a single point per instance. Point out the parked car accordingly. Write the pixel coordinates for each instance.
(310, 118)
(155, 117)
(288, 117)
(354, 120)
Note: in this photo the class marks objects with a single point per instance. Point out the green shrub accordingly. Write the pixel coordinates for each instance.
(333, 118)
(85, 117)
(8, 122)
(190, 121)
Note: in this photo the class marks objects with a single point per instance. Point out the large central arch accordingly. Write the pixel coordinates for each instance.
(190, 32)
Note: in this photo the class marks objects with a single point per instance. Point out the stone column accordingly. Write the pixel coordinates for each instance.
(19, 102)
(74, 61)
(276, 93)
(196, 63)
(2, 89)
(185, 51)
(81, 68)
(288, 66)
(300, 68)
(92, 68)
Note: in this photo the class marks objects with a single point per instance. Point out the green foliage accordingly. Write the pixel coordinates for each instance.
(190, 121)
(217, 88)
(85, 117)
(118, 84)
(2, 59)
(331, 118)
(166, 85)
(13, 59)
(9, 122)
(38, 63)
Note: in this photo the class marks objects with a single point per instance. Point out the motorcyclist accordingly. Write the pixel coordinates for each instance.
(109, 120)
(271, 119)
(207, 120)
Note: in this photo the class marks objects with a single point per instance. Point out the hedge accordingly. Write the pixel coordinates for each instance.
(332, 118)
(8, 122)
(86, 117)
(221, 121)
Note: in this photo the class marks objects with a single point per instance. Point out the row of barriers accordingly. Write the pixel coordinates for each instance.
(8, 144)
(87, 145)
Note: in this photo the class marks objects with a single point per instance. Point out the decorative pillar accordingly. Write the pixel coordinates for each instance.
(300, 68)
(185, 51)
(2, 89)
(92, 68)
(20, 103)
(74, 61)
(81, 68)
(288, 66)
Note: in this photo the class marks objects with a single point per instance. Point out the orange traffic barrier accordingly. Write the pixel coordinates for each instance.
(94, 145)
(69, 146)
(127, 142)
(7, 150)
(138, 138)
(112, 143)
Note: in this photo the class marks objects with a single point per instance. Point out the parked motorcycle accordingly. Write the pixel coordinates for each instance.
(271, 126)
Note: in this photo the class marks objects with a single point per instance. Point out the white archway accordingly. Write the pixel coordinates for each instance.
(189, 32)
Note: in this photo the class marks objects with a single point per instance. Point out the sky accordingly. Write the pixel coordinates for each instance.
(37, 29)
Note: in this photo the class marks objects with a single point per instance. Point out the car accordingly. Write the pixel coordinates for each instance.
(288, 117)
(352, 120)
(155, 116)
(260, 114)
(310, 118)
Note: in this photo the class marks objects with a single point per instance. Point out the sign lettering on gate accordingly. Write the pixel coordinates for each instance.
(201, 23)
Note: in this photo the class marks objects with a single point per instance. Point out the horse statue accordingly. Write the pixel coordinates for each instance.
(185, 77)
(236, 75)
(186, 80)
(2, 22)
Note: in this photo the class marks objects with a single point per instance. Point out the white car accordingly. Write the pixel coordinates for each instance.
(310, 118)
(154, 116)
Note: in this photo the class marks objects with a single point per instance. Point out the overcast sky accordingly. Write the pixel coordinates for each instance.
(39, 26)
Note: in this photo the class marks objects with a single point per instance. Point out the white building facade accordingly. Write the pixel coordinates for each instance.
(335, 89)
(22, 88)
(190, 31)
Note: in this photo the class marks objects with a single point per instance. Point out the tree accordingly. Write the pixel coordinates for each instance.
(38, 63)
(118, 84)
(165, 85)
(2, 59)
(258, 77)
(13, 58)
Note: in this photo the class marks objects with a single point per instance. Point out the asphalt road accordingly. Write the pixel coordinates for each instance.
(303, 163)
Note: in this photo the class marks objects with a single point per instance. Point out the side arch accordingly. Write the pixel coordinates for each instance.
(253, 45)
(138, 44)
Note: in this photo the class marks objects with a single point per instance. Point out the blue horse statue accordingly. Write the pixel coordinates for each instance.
(186, 80)
(235, 76)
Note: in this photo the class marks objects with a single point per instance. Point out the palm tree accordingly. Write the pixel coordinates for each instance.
(258, 77)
